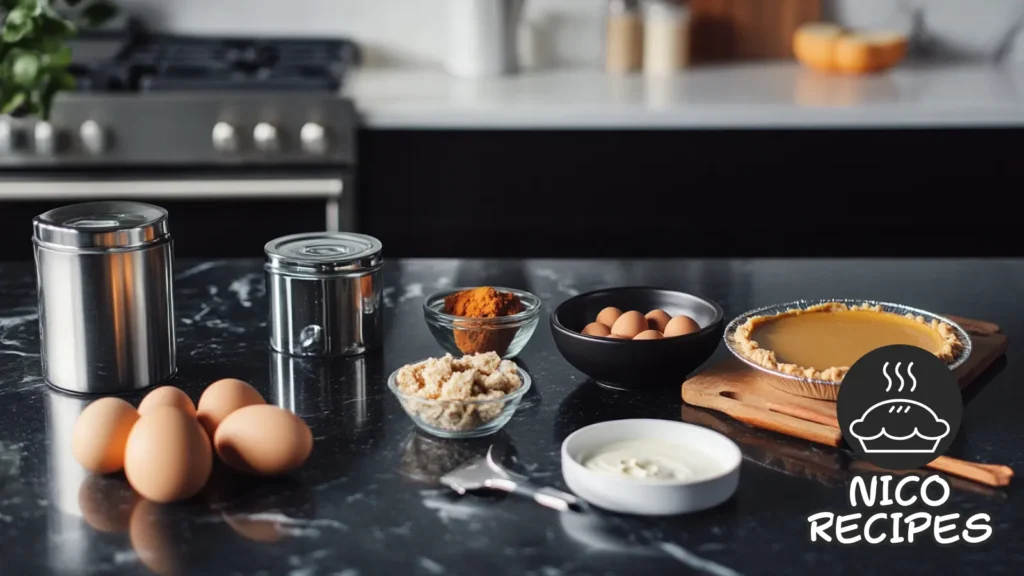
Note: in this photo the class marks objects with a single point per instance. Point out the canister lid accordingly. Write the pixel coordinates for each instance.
(108, 224)
(323, 253)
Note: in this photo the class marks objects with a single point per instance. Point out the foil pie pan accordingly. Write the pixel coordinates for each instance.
(825, 389)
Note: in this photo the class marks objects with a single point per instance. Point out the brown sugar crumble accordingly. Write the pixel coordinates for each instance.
(476, 378)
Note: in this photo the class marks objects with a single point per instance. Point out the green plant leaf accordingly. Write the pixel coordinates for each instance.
(30, 5)
(25, 68)
(34, 54)
(99, 12)
(17, 25)
(53, 25)
(64, 80)
(12, 103)
(35, 104)
(58, 59)
(45, 45)
(42, 97)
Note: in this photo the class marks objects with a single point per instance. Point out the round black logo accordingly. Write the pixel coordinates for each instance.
(899, 407)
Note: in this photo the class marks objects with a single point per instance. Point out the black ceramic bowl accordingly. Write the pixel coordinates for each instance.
(637, 364)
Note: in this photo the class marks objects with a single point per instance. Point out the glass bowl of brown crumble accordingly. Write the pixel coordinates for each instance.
(466, 397)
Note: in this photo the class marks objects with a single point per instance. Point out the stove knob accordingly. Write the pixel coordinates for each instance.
(265, 137)
(6, 137)
(45, 137)
(225, 138)
(93, 137)
(314, 138)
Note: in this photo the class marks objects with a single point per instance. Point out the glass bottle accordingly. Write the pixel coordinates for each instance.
(666, 36)
(624, 37)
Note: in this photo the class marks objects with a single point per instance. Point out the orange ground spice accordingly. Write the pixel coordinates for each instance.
(482, 302)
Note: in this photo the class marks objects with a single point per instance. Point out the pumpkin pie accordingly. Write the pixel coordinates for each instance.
(823, 341)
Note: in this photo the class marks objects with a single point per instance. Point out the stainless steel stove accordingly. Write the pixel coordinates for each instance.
(188, 119)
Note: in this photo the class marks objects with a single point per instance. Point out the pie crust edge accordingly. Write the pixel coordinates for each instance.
(750, 349)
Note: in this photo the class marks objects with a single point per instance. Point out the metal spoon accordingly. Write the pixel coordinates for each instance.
(485, 472)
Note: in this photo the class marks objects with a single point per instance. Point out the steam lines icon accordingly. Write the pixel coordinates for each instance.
(913, 380)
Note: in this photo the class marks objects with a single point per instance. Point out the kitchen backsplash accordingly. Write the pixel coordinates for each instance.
(568, 32)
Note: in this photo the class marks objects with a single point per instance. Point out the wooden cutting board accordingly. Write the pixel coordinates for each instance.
(747, 395)
(747, 29)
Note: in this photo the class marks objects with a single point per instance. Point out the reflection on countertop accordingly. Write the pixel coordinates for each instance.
(348, 390)
(367, 500)
(426, 458)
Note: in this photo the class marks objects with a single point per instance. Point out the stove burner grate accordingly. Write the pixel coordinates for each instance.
(172, 63)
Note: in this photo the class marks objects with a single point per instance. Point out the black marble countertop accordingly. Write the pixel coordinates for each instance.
(367, 501)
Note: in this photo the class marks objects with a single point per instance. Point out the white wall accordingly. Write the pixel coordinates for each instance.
(560, 32)
(392, 31)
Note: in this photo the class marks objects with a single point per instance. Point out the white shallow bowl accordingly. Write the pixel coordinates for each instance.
(647, 498)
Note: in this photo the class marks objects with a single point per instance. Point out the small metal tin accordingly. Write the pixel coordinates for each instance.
(325, 291)
(106, 307)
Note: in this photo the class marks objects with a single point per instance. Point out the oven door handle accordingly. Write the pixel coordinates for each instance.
(173, 189)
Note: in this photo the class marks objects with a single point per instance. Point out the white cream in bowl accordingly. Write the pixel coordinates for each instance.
(652, 459)
(650, 467)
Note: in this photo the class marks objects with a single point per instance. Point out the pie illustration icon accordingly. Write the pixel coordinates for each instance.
(896, 424)
(899, 426)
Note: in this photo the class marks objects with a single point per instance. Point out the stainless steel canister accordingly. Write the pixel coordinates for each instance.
(106, 310)
(325, 292)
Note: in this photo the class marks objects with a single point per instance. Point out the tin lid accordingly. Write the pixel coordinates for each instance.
(108, 224)
(323, 253)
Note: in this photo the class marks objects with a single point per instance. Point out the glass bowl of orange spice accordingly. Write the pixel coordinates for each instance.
(482, 319)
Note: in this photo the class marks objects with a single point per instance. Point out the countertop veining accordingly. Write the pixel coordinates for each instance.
(368, 502)
(735, 96)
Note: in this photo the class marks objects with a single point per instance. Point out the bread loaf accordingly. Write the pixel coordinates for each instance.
(830, 48)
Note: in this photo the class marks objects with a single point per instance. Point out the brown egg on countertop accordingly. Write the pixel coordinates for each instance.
(629, 324)
(222, 398)
(168, 396)
(101, 434)
(168, 457)
(648, 335)
(608, 316)
(680, 326)
(263, 439)
(596, 329)
(657, 320)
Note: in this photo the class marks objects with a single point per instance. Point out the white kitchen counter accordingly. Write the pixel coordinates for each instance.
(776, 95)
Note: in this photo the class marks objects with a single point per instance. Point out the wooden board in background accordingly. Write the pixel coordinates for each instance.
(747, 29)
(747, 395)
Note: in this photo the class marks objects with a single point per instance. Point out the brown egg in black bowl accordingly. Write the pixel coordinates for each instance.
(626, 364)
